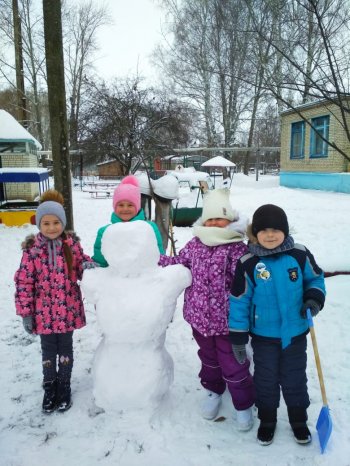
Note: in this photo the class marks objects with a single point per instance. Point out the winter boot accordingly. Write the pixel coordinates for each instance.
(65, 365)
(50, 397)
(210, 405)
(268, 421)
(297, 419)
(64, 400)
(245, 420)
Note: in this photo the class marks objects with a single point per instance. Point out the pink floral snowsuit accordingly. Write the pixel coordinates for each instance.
(46, 291)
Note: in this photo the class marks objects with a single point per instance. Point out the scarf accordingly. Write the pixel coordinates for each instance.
(215, 236)
(52, 245)
(260, 251)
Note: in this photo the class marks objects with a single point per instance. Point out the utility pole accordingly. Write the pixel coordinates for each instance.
(22, 113)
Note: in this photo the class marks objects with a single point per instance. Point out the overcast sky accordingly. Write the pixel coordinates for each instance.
(125, 46)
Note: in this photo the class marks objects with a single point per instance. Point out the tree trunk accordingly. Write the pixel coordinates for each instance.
(57, 103)
(21, 96)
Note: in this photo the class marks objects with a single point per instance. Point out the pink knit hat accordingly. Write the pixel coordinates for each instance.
(128, 190)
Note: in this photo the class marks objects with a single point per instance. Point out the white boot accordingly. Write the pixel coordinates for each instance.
(245, 419)
(210, 405)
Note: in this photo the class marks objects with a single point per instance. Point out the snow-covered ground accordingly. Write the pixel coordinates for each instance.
(177, 435)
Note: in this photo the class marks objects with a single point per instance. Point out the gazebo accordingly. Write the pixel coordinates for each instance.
(224, 166)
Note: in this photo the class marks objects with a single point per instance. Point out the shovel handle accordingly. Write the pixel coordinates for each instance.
(317, 357)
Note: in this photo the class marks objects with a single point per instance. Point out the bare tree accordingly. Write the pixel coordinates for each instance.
(81, 23)
(208, 63)
(316, 68)
(21, 99)
(186, 64)
(132, 124)
(30, 63)
(34, 59)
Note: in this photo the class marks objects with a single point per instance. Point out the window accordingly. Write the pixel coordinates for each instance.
(320, 126)
(297, 140)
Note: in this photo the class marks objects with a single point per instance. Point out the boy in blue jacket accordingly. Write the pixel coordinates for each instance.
(274, 285)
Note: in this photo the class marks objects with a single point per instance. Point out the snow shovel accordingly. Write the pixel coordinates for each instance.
(324, 422)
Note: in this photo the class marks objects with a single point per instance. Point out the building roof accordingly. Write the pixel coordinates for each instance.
(12, 131)
(314, 103)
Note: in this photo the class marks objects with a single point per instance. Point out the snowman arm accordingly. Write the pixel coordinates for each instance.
(178, 278)
(184, 257)
(92, 278)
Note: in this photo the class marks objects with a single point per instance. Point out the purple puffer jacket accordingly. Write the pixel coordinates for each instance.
(48, 293)
(206, 303)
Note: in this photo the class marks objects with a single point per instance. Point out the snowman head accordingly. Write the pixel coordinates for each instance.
(130, 248)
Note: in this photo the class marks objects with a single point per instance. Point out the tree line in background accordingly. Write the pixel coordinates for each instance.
(241, 62)
(228, 67)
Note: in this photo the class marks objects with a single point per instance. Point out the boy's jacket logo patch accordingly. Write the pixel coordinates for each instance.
(293, 274)
(262, 274)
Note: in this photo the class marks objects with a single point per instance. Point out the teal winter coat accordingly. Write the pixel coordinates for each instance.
(98, 256)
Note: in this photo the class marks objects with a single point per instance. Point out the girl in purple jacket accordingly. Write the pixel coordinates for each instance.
(212, 256)
(48, 296)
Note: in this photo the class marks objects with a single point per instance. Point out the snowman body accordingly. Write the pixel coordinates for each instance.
(135, 301)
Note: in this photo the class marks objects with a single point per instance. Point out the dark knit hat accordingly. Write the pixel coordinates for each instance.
(270, 216)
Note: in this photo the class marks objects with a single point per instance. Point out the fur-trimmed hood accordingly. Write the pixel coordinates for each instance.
(30, 239)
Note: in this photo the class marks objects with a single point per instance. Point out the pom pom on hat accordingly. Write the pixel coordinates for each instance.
(270, 216)
(216, 204)
(128, 190)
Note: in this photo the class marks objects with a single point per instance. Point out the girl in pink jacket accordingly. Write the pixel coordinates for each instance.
(48, 296)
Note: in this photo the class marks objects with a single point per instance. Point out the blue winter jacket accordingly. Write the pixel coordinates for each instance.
(268, 292)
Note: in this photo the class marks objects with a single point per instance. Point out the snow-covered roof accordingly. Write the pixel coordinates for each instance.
(218, 161)
(11, 130)
(24, 170)
(312, 104)
(106, 162)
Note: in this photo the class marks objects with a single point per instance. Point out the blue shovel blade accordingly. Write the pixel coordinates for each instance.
(324, 427)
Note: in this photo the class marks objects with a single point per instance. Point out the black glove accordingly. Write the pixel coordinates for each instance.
(240, 353)
(28, 324)
(312, 305)
(90, 265)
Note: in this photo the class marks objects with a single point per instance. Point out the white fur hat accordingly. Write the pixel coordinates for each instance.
(216, 204)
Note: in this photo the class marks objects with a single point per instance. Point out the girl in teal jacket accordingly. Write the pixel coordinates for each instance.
(126, 208)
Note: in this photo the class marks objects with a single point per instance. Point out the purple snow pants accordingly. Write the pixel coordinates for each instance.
(220, 368)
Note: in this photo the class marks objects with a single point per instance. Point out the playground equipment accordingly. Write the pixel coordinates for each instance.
(16, 212)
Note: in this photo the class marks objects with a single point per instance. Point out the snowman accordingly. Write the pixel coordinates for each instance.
(135, 300)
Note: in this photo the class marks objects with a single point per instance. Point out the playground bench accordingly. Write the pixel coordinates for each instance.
(99, 194)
